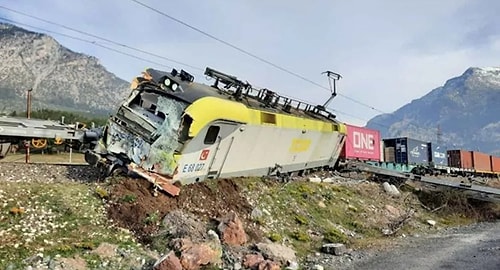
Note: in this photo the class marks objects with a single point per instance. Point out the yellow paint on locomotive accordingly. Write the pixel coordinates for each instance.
(208, 109)
(300, 145)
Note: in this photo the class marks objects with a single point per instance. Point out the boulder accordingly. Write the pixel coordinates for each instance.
(168, 262)
(269, 265)
(252, 261)
(195, 255)
(231, 230)
(105, 250)
(431, 222)
(334, 249)
(277, 252)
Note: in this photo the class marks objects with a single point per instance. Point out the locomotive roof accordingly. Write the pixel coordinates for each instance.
(191, 91)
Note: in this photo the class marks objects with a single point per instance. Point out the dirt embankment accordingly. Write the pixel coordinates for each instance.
(133, 203)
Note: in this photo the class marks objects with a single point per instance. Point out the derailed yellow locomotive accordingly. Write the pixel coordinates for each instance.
(174, 130)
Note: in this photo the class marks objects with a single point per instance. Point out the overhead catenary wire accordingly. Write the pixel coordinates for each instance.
(249, 53)
(139, 58)
(194, 28)
(170, 59)
(148, 53)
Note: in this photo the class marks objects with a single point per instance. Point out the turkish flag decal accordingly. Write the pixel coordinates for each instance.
(204, 154)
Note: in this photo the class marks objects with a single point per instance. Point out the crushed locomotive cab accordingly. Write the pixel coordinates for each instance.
(173, 130)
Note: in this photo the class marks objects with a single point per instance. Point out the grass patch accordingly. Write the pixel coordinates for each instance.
(129, 198)
(333, 235)
(58, 219)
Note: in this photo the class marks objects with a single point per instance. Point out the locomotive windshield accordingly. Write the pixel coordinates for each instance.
(146, 130)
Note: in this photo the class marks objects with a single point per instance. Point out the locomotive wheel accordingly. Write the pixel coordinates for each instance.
(38, 143)
(58, 141)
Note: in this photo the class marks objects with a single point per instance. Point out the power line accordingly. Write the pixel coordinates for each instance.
(99, 37)
(250, 54)
(146, 60)
(173, 60)
(139, 50)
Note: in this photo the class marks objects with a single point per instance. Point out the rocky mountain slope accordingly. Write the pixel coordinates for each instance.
(60, 78)
(466, 109)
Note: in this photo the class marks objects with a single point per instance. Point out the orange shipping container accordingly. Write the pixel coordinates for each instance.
(495, 164)
(481, 161)
(460, 159)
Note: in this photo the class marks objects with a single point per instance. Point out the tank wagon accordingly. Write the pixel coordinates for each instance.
(173, 130)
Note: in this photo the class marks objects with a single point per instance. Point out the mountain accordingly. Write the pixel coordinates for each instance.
(60, 78)
(466, 110)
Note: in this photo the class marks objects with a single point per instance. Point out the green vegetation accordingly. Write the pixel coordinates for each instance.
(275, 237)
(129, 198)
(63, 219)
(333, 235)
(310, 214)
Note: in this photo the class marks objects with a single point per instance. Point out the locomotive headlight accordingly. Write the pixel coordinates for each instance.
(174, 86)
(167, 82)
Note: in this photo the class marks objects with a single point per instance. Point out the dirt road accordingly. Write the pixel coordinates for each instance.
(472, 247)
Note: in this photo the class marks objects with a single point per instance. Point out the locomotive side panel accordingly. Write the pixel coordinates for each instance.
(252, 142)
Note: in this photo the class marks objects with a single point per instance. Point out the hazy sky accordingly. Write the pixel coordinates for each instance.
(388, 51)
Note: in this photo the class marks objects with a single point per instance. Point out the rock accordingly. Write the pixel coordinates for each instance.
(76, 263)
(52, 264)
(391, 210)
(194, 255)
(395, 190)
(335, 249)
(252, 260)
(231, 230)
(387, 187)
(431, 222)
(105, 250)
(237, 266)
(352, 208)
(327, 180)
(256, 213)
(198, 255)
(184, 225)
(277, 252)
(168, 262)
(321, 204)
(315, 179)
(318, 267)
(33, 259)
(292, 266)
(269, 265)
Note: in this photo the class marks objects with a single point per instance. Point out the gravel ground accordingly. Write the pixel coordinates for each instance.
(46, 173)
(50, 218)
(475, 246)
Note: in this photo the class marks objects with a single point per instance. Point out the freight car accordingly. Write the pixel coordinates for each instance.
(419, 157)
(473, 163)
(405, 154)
(36, 133)
(361, 144)
(174, 130)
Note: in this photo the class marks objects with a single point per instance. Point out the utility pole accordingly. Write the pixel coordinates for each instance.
(28, 103)
(28, 115)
